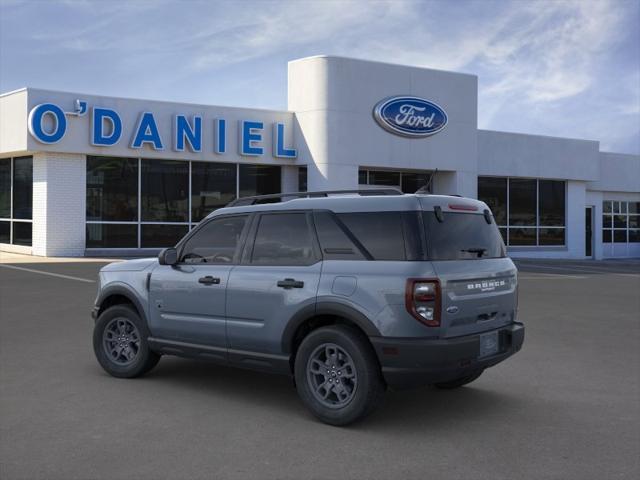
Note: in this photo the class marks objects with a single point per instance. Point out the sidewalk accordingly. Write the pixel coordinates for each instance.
(9, 257)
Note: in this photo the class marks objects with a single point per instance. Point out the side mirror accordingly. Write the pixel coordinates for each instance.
(168, 256)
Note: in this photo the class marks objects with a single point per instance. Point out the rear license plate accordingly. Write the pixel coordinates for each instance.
(489, 344)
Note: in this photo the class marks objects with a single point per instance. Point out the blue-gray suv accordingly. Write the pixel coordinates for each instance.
(349, 293)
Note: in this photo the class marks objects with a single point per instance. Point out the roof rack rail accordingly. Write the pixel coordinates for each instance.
(244, 201)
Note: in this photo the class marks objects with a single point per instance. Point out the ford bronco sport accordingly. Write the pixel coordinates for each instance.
(349, 293)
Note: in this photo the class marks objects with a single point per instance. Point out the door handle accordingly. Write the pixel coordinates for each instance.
(290, 283)
(209, 280)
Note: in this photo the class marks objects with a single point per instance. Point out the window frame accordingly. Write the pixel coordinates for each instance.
(247, 253)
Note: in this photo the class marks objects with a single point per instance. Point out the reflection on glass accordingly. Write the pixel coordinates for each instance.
(112, 189)
(522, 236)
(5, 188)
(259, 180)
(22, 233)
(111, 235)
(23, 189)
(493, 192)
(551, 203)
(213, 185)
(5, 231)
(522, 202)
(551, 236)
(165, 189)
(160, 236)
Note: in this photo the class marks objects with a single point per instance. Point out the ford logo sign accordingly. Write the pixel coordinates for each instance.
(410, 116)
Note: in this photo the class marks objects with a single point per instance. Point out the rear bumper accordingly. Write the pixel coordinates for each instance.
(410, 363)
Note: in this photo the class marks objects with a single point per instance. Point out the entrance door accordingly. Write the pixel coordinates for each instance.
(588, 233)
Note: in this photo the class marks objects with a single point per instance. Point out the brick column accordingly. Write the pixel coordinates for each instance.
(59, 202)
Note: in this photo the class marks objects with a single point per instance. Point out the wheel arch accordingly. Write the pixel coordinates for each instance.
(119, 295)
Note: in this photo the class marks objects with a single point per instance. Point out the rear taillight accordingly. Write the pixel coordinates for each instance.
(422, 298)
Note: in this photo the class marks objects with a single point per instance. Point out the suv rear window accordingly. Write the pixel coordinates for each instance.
(462, 236)
(379, 232)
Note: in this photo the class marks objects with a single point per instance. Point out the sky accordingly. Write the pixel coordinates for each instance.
(555, 67)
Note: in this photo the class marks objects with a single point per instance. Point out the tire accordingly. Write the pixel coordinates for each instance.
(342, 355)
(458, 382)
(131, 358)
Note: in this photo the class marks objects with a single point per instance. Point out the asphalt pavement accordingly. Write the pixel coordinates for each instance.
(566, 407)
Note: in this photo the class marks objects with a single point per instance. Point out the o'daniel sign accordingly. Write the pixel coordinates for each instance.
(410, 116)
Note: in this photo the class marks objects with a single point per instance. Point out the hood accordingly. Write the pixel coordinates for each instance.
(130, 265)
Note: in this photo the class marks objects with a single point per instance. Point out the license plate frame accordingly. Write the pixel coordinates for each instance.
(489, 344)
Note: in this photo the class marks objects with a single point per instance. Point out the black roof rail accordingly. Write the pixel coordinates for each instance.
(244, 201)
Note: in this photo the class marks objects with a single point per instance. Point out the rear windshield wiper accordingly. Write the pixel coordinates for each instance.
(479, 251)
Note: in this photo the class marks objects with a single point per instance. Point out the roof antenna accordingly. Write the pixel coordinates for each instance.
(426, 189)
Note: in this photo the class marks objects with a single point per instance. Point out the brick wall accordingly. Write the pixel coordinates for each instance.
(59, 198)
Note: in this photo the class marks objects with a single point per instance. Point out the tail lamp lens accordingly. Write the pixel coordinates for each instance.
(423, 301)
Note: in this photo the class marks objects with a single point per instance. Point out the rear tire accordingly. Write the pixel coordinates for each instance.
(458, 382)
(120, 343)
(337, 375)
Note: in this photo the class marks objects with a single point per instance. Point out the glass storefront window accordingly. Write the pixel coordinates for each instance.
(112, 189)
(16, 200)
(259, 180)
(408, 182)
(551, 203)
(522, 236)
(412, 182)
(213, 185)
(164, 191)
(493, 192)
(160, 236)
(620, 221)
(5, 188)
(302, 179)
(112, 235)
(522, 202)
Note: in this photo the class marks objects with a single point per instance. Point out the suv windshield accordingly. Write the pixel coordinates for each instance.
(462, 236)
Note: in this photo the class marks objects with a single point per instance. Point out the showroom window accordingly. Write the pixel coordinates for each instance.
(620, 222)
(16, 200)
(408, 182)
(302, 179)
(143, 203)
(529, 212)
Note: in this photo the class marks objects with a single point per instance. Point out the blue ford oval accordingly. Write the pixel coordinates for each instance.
(410, 116)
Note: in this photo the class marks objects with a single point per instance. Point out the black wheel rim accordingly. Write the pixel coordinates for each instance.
(331, 374)
(121, 341)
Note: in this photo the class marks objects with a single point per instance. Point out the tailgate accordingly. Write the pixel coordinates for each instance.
(477, 295)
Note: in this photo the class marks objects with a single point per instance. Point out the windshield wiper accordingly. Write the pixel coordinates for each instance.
(479, 251)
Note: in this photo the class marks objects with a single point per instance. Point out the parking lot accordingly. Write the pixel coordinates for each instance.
(566, 407)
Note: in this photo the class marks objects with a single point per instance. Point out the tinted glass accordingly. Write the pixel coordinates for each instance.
(5, 188)
(259, 180)
(379, 232)
(334, 241)
(362, 177)
(493, 192)
(551, 203)
(377, 177)
(606, 236)
(551, 236)
(215, 242)
(620, 221)
(302, 179)
(213, 185)
(111, 235)
(165, 189)
(634, 236)
(606, 221)
(462, 236)
(412, 182)
(283, 239)
(620, 236)
(23, 190)
(634, 221)
(606, 206)
(5, 228)
(160, 236)
(22, 233)
(522, 202)
(112, 189)
(522, 236)
(634, 207)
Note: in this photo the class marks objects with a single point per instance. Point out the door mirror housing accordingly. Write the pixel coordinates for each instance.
(168, 256)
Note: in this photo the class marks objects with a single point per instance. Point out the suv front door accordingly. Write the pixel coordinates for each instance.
(187, 300)
(278, 277)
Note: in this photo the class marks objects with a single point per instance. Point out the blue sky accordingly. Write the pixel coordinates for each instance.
(564, 68)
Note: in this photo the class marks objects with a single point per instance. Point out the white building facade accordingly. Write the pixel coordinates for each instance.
(93, 175)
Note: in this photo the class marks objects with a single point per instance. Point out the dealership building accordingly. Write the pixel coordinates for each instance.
(89, 175)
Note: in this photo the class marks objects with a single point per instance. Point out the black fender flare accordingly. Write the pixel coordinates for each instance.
(326, 308)
(124, 290)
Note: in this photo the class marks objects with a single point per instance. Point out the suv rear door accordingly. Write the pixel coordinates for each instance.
(478, 281)
(278, 276)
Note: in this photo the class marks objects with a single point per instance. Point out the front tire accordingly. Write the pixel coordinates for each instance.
(120, 343)
(337, 375)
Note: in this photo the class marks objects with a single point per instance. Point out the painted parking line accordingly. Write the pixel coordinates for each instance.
(51, 274)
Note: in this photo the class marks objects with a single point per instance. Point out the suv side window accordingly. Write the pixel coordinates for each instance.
(334, 239)
(283, 239)
(381, 233)
(216, 242)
